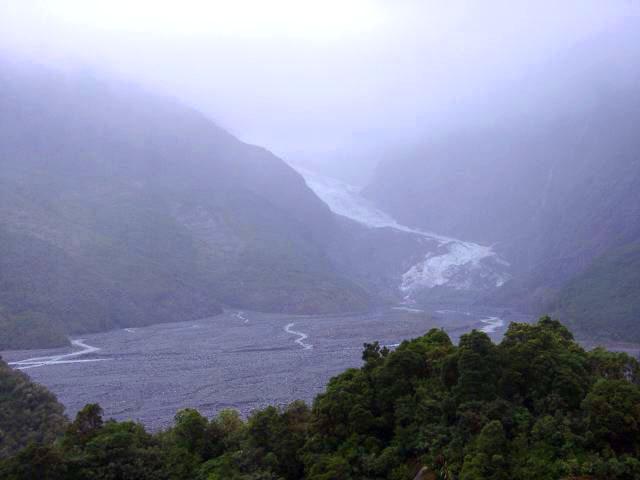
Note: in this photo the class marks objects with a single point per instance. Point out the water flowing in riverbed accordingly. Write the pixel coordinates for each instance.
(239, 359)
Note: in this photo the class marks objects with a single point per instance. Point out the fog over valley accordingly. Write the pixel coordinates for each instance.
(319, 240)
(339, 84)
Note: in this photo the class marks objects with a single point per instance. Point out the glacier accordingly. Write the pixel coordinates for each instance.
(461, 265)
(454, 263)
(345, 199)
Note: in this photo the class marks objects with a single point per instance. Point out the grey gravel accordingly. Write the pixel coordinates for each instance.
(242, 360)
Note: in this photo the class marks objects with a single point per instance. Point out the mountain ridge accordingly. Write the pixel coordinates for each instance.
(553, 185)
(120, 208)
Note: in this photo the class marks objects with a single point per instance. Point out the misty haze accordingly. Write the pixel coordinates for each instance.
(288, 240)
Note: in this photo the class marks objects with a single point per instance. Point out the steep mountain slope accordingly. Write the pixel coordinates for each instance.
(563, 126)
(28, 330)
(120, 208)
(551, 191)
(604, 300)
(506, 184)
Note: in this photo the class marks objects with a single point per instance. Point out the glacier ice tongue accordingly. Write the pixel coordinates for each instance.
(459, 265)
(455, 263)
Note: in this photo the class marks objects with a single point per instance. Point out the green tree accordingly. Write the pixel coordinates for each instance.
(487, 460)
(478, 368)
(613, 415)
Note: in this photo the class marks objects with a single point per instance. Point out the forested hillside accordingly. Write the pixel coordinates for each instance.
(534, 406)
(29, 413)
(120, 208)
(604, 301)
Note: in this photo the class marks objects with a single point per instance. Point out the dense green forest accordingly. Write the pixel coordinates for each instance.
(535, 406)
(29, 413)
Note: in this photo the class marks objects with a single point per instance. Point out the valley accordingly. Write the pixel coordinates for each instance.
(239, 359)
(319, 240)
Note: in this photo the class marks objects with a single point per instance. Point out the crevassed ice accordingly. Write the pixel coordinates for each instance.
(463, 266)
(456, 263)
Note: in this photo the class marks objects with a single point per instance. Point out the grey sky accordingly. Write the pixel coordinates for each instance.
(316, 80)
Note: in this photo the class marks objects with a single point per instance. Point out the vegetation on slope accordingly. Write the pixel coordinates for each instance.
(609, 289)
(29, 330)
(535, 406)
(120, 208)
(29, 413)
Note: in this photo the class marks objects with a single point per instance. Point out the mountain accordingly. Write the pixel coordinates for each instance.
(603, 301)
(121, 208)
(29, 330)
(555, 192)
